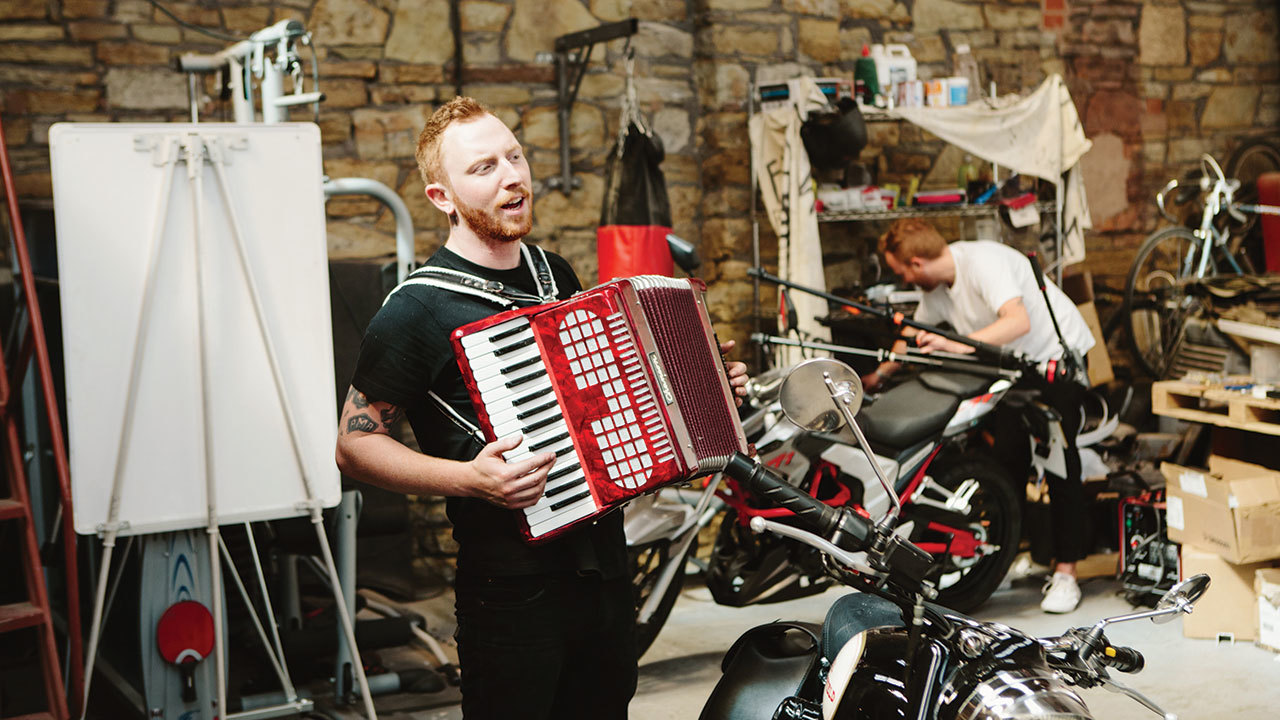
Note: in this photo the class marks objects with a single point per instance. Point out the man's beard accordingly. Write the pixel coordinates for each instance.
(489, 225)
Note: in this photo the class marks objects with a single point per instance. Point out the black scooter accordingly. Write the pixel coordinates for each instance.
(886, 651)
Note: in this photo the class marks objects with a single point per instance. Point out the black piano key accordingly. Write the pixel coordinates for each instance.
(548, 442)
(531, 397)
(535, 411)
(510, 332)
(525, 378)
(542, 423)
(556, 475)
(521, 365)
(561, 488)
(570, 500)
(513, 347)
(566, 450)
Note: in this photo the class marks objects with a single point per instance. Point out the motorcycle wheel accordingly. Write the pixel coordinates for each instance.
(994, 516)
(646, 565)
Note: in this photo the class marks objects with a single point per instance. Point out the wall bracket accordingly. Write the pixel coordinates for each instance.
(571, 66)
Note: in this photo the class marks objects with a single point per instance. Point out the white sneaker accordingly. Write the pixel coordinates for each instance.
(1061, 594)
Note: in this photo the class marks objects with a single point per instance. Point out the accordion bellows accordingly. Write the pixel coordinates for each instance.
(624, 382)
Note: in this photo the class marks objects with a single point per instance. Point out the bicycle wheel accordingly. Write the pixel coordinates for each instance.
(1251, 159)
(1156, 303)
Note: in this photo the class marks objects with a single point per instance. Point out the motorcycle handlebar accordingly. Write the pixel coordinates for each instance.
(1124, 659)
(850, 532)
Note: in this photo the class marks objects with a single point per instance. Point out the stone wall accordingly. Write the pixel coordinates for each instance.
(1156, 82)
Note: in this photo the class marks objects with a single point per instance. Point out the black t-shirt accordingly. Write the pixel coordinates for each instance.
(406, 353)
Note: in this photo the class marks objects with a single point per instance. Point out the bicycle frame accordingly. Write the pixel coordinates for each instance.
(1220, 198)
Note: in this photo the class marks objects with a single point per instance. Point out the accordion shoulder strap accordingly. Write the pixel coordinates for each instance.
(496, 292)
(457, 419)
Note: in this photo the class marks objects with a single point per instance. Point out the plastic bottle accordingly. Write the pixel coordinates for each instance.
(866, 84)
(967, 173)
(964, 65)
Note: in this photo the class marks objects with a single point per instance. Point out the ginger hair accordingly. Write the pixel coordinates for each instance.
(912, 237)
(459, 109)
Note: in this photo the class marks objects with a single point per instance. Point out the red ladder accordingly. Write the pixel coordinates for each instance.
(16, 507)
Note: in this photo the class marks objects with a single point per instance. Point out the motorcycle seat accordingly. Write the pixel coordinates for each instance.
(909, 412)
(961, 385)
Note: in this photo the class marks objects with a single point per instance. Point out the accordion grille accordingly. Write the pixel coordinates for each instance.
(694, 372)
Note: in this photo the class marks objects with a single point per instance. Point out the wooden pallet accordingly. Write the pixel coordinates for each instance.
(1215, 405)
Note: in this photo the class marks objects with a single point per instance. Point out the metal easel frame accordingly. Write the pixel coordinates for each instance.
(195, 151)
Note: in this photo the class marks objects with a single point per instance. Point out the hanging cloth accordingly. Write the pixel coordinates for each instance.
(786, 186)
(1039, 135)
(635, 217)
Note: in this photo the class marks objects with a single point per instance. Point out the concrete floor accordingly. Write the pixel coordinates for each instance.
(1193, 679)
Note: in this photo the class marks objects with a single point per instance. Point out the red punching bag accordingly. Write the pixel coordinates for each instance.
(636, 215)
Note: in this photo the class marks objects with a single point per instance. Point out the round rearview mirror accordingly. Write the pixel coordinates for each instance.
(808, 402)
(1181, 597)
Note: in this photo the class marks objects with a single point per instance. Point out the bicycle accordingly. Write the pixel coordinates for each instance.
(1247, 163)
(1163, 291)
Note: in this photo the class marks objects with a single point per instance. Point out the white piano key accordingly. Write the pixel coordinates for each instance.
(509, 415)
(497, 385)
(485, 366)
(565, 487)
(543, 516)
(522, 451)
(508, 423)
(482, 338)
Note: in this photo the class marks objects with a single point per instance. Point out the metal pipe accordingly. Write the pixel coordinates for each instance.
(404, 221)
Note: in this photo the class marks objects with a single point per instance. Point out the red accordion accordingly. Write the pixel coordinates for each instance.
(623, 382)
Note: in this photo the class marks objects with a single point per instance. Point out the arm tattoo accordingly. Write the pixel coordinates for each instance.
(391, 415)
(357, 398)
(361, 423)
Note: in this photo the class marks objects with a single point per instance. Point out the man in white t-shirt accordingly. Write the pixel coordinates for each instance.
(987, 291)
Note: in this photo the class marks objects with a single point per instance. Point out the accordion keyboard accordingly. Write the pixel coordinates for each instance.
(519, 400)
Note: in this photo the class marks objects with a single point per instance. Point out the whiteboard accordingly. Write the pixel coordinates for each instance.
(111, 209)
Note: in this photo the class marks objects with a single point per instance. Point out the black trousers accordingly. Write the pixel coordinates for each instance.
(1068, 507)
(540, 646)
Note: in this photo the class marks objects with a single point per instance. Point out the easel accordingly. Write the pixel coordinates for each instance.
(200, 153)
(180, 149)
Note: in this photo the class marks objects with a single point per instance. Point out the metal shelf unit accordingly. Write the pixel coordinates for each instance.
(963, 211)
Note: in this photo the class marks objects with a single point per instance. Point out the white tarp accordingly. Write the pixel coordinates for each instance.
(786, 184)
(1038, 135)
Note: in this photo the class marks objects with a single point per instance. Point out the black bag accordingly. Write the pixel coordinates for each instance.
(834, 139)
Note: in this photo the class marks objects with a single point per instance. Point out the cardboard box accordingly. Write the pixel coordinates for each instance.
(1099, 359)
(1233, 508)
(1266, 585)
(1228, 610)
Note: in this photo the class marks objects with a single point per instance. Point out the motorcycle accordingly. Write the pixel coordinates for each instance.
(887, 651)
(959, 504)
